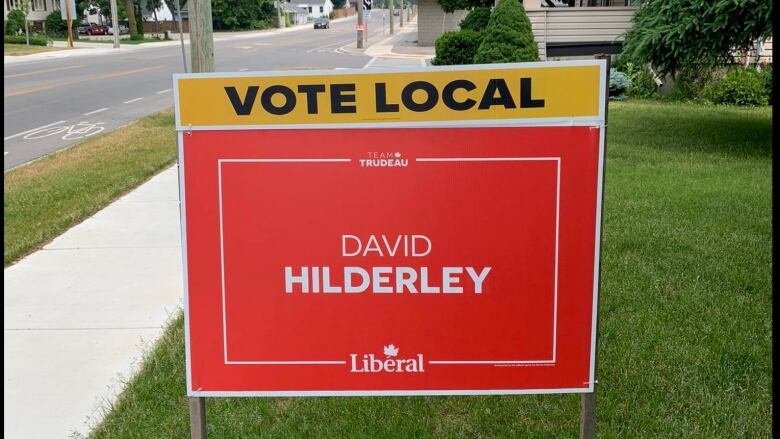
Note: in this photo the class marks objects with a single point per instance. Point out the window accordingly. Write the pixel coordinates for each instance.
(310, 9)
(320, 9)
(38, 5)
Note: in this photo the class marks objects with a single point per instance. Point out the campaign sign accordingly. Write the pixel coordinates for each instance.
(423, 232)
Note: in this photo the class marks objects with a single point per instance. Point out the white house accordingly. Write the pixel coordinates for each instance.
(39, 10)
(315, 8)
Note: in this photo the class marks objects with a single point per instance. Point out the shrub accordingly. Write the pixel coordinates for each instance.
(14, 22)
(642, 84)
(691, 81)
(766, 71)
(740, 86)
(457, 47)
(137, 37)
(508, 36)
(55, 25)
(261, 24)
(35, 40)
(476, 20)
(618, 84)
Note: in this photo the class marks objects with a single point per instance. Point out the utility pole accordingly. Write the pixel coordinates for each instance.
(70, 21)
(390, 6)
(401, 14)
(115, 22)
(201, 36)
(360, 24)
(181, 34)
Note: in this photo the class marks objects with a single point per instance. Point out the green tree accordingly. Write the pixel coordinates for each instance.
(55, 25)
(133, 25)
(14, 22)
(339, 4)
(240, 14)
(450, 6)
(476, 20)
(508, 37)
(24, 6)
(672, 34)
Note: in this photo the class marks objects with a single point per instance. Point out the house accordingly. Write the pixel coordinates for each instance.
(298, 15)
(573, 28)
(39, 10)
(315, 8)
(588, 27)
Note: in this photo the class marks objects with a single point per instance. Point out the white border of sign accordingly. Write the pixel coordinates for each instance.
(536, 122)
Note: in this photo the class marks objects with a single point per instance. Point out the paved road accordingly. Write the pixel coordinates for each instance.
(51, 104)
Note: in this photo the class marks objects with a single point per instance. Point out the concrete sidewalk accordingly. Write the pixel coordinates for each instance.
(80, 313)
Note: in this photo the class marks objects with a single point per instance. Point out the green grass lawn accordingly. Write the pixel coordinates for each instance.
(23, 49)
(685, 326)
(44, 198)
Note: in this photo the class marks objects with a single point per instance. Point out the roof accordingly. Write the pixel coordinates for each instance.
(295, 9)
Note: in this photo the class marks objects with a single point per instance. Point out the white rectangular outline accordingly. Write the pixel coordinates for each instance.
(557, 161)
(595, 123)
(222, 259)
(541, 121)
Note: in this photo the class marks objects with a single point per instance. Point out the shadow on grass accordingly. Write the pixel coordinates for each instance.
(684, 128)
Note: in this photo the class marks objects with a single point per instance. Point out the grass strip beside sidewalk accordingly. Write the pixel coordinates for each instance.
(685, 325)
(23, 49)
(45, 198)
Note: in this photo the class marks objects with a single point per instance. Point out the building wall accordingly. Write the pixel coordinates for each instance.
(429, 21)
(41, 9)
(579, 25)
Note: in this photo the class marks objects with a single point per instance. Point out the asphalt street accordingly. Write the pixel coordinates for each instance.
(51, 104)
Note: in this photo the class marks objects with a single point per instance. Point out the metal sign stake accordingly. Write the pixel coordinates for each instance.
(588, 400)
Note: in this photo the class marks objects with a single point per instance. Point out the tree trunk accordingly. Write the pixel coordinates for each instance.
(27, 31)
(130, 10)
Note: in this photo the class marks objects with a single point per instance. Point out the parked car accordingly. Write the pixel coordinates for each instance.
(123, 29)
(321, 23)
(83, 29)
(92, 29)
(97, 30)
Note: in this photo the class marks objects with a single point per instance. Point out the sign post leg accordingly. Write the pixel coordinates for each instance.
(197, 417)
(588, 400)
(588, 415)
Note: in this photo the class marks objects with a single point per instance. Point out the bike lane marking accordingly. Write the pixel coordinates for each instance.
(32, 130)
(96, 111)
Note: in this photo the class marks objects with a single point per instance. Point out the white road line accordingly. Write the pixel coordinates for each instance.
(163, 91)
(34, 129)
(243, 69)
(132, 100)
(316, 49)
(96, 111)
(371, 61)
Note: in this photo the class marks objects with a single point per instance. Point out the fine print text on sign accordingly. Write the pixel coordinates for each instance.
(344, 236)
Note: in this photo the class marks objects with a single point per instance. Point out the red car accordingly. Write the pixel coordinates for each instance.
(95, 29)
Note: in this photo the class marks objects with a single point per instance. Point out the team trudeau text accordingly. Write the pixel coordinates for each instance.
(386, 279)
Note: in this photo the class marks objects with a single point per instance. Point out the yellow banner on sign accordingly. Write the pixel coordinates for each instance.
(545, 90)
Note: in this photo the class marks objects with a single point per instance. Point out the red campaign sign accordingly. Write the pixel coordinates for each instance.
(388, 261)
